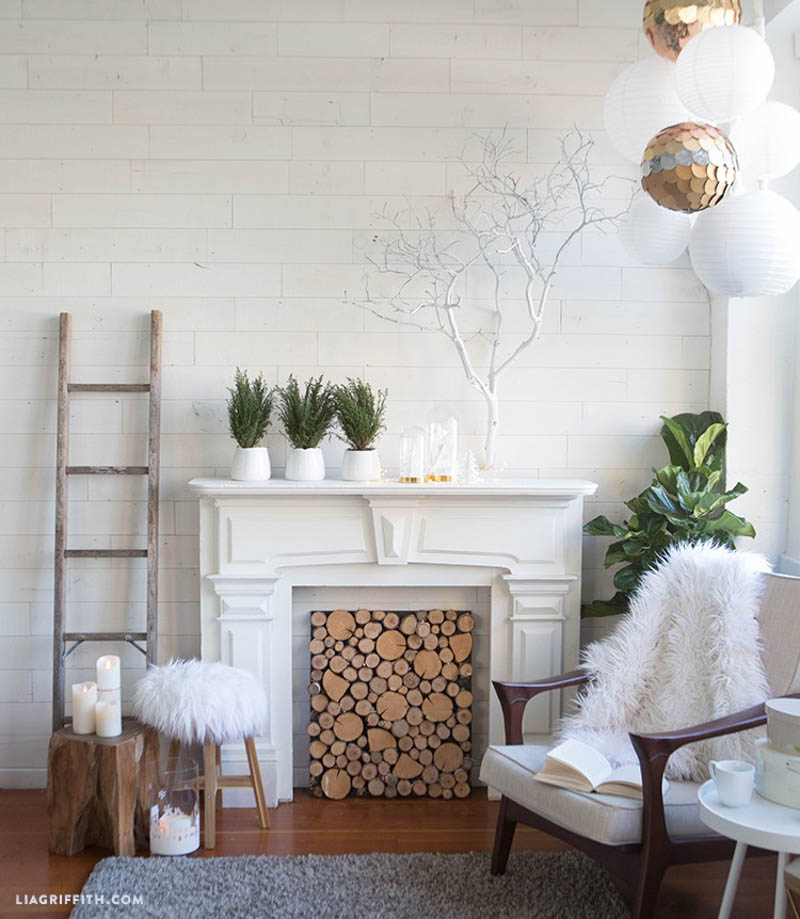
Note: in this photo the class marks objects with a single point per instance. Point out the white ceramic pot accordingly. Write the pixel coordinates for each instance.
(305, 465)
(783, 724)
(251, 464)
(777, 774)
(361, 466)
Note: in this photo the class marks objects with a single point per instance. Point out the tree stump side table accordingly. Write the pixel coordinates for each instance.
(99, 789)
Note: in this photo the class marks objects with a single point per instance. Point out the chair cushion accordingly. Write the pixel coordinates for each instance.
(609, 819)
(201, 701)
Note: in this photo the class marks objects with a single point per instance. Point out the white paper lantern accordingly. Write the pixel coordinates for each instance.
(767, 141)
(640, 102)
(747, 246)
(654, 235)
(724, 73)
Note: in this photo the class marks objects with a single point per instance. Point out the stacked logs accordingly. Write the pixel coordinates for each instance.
(391, 703)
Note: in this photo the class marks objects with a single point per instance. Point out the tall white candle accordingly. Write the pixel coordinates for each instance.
(108, 672)
(84, 700)
(109, 714)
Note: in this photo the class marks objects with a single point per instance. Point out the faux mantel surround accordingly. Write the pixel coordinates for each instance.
(258, 541)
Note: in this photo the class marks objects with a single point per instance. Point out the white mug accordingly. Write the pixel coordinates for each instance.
(734, 780)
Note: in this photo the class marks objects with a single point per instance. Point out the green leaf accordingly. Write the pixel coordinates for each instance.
(705, 441)
(709, 502)
(731, 524)
(659, 500)
(600, 608)
(627, 578)
(599, 526)
(668, 475)
(614, 556)
(693, 426)
(679, 441)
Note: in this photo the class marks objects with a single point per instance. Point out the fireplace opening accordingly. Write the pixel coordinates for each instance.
(384, 704)
(390, 709)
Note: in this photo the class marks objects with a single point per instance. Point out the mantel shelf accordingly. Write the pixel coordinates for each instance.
(487, 487)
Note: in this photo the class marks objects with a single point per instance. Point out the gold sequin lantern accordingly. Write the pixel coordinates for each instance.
(689, 167)
(670, 24)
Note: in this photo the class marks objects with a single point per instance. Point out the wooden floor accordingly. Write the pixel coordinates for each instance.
(311, 825)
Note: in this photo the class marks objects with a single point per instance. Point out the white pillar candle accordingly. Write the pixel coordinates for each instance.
(84, 700)
(108, 672)
(109, 714)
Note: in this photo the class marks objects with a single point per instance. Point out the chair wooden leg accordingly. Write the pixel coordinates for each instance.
(173, 754)
(650, 877)
(255, 780)
(210, 794)
(503, 837)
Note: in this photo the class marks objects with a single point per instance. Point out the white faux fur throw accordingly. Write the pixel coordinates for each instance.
(196, 701)
(687, 652)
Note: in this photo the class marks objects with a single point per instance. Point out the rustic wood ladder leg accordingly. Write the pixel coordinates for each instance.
(66, 642)
(153, 473)
(210, 794)
(62, 505)
(255, 779)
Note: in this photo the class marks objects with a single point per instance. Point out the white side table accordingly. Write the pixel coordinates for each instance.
(760, 823)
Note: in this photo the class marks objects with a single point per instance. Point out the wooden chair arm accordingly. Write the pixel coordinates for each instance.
(664, 744)
(515, 696)
(654, 750)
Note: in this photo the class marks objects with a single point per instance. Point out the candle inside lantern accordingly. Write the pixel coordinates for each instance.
(108, 714)
(84, 700)
(174, 832)
(108, 676)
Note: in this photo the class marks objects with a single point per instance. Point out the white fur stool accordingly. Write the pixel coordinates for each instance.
(211, 704)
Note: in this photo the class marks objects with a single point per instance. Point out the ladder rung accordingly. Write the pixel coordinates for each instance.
(107, 470)
(105, 636)
(105, 553)
(108, 387)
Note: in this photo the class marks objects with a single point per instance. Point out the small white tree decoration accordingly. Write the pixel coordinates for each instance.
(501, 220)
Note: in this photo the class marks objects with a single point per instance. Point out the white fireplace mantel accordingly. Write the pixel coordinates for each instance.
(258, 541)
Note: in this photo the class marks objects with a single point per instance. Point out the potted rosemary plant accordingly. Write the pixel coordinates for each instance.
(360, 412)
(249, 413)
(307, 419)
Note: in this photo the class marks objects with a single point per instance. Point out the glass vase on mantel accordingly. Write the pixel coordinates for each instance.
(442, 447)
(413, 456)
(175, 817)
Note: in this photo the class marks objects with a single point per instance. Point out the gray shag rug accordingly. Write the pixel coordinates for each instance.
(537, 885)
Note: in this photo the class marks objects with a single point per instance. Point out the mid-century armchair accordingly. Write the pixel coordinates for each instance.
(636, 841)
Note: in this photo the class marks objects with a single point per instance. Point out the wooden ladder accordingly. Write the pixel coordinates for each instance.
(64, 643)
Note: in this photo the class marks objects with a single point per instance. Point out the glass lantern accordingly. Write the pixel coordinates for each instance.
(175, 817)
(412, 456)
(442, 448)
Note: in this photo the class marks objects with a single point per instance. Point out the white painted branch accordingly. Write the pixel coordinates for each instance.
(512, 222)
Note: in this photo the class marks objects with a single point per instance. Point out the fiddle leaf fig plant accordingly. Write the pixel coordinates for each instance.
(685, 502)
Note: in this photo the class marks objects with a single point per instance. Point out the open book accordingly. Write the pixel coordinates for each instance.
(575, 765)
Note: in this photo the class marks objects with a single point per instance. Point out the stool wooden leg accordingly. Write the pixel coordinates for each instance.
(255, 780)
(210, 794)
(174, 753)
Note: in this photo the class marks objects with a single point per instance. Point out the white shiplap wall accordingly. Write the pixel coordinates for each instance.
(223, 160)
